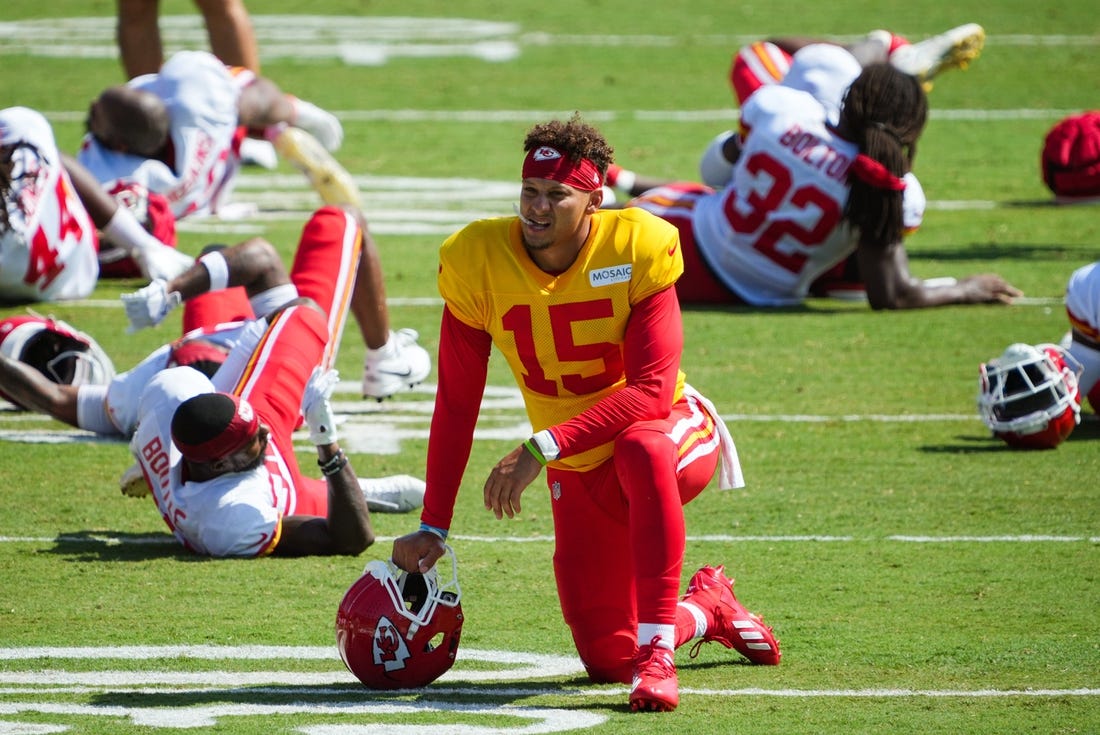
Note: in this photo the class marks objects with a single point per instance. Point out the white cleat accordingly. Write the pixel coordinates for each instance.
(953, 49)
(400, 364)
(393, 494)
(325, 174)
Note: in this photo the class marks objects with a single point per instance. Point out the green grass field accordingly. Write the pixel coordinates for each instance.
(921, 576)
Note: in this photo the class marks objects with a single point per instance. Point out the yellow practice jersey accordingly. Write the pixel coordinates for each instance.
(562, 335)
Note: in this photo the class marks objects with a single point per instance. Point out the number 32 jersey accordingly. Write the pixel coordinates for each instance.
(779, 224)
(562, 335)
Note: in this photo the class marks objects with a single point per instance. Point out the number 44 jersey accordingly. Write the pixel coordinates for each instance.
(49, 250)
(779, 224)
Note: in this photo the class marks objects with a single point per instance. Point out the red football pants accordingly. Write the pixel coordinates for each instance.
(620, 535)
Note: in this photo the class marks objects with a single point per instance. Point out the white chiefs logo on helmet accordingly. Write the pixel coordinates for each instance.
(389, 648)
(546, 153)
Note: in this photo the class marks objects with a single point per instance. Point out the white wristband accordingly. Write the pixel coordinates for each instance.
(217, 268)
(546, 443)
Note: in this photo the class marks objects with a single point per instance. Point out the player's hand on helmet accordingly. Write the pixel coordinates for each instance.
(316, 407)
(989, 288)
(418, 552)
(148, 306)
(508, 480)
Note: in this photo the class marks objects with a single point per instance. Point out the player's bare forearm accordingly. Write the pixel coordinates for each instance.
(890, 285)
(349, 520)
(33, 390)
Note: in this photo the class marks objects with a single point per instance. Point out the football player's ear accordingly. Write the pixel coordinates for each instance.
(595, 200)
(222, 465)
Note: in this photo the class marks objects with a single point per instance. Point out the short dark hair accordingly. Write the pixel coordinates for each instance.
(203, 417)
(139, 120)
(211, 426)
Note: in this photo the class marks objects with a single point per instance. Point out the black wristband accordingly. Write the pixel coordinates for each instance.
(333, 464)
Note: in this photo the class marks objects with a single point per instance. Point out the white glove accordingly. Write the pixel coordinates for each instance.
(148, 306)
(316, 408)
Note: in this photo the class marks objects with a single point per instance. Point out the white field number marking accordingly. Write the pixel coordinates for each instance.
(348, 709)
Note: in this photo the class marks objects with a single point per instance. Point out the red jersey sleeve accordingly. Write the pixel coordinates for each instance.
(462, 368)
(652, 347)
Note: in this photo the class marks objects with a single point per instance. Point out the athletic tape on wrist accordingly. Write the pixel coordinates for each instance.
(440, 532)
(547, 445)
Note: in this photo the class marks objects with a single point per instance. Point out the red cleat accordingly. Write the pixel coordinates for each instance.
(729, 623)
(655, 687)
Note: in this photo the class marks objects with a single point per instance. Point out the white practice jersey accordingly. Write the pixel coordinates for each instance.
(50, 250)
(123, 394)
(779, 224)
(201, 95)
(1083, 299)
(238, 514)
(1083, 309)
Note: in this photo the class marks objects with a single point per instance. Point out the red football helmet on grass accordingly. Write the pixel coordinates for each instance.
(396, 630)
(58, 350)
(1028, 396)
(1070, 159)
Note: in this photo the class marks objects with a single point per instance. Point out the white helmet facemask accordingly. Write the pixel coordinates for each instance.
(433, 594)
(1025, 388)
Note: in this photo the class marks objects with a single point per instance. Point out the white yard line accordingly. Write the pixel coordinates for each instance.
(166, 540)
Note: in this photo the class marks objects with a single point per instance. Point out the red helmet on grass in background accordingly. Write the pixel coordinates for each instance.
(1028, 396)
(1071, 157)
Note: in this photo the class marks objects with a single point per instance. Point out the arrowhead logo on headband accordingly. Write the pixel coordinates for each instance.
(546, 153)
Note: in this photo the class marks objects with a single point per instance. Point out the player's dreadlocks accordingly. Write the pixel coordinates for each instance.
(9, 172)
(576, 139)
(884, 113)
(5, 197)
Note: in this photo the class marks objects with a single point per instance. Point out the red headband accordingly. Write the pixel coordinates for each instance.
(233, 438)
(873, 173)
(545, 162)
